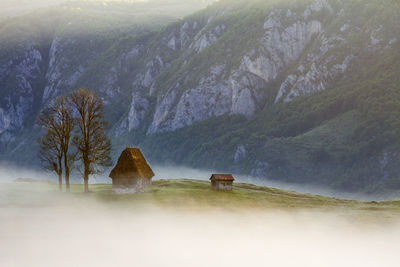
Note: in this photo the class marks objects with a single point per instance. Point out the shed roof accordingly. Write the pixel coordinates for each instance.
(222, 177)
(132, 164)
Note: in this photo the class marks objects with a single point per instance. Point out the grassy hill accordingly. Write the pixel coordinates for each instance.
(194, 195)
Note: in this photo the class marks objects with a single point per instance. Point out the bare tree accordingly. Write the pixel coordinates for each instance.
(50, 152)
(58, 122)
(93, 146)
(66, 126)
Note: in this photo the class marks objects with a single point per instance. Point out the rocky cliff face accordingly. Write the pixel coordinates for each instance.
(296, 52)
(50, 52)
(302, 50)
(241, 90)
(19, 74)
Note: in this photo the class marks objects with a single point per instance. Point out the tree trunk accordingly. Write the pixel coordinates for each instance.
(66, 167)
(60, 173)
(67, 187)
(60, 181)
(86, 177)
(86, 185)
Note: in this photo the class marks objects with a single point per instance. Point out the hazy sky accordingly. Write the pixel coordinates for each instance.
(28, 3)
(16, 7)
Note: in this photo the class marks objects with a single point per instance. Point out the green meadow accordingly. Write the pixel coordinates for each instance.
(194, 195)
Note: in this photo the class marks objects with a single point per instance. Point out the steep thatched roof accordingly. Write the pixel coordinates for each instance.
(132, 164)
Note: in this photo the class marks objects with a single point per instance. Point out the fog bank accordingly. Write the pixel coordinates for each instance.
(95, 235)
(40, 227)
(10, 172)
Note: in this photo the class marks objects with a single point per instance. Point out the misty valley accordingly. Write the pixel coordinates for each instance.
(199, 133)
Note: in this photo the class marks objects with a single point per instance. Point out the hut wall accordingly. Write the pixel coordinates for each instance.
(222, 185)
(122, 183)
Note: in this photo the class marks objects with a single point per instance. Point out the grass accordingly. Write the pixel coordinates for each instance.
(195, 195)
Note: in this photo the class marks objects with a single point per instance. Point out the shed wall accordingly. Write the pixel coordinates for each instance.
(222, 185)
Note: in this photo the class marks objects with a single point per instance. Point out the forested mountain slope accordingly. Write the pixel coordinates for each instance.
(303, 91)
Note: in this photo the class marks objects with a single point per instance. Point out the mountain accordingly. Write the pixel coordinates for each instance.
(45, 52)
(302, 91)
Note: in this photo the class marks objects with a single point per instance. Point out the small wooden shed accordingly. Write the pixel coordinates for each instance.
(222, 181)
(132, 171)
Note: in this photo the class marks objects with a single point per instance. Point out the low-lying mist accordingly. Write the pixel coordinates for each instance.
(41, 227)
(78, 231)
(10, 172)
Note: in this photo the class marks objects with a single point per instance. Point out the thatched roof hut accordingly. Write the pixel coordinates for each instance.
(132, 170)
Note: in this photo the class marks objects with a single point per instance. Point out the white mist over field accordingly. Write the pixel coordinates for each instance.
(94, 235)
(40, 228)
(10, 172)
